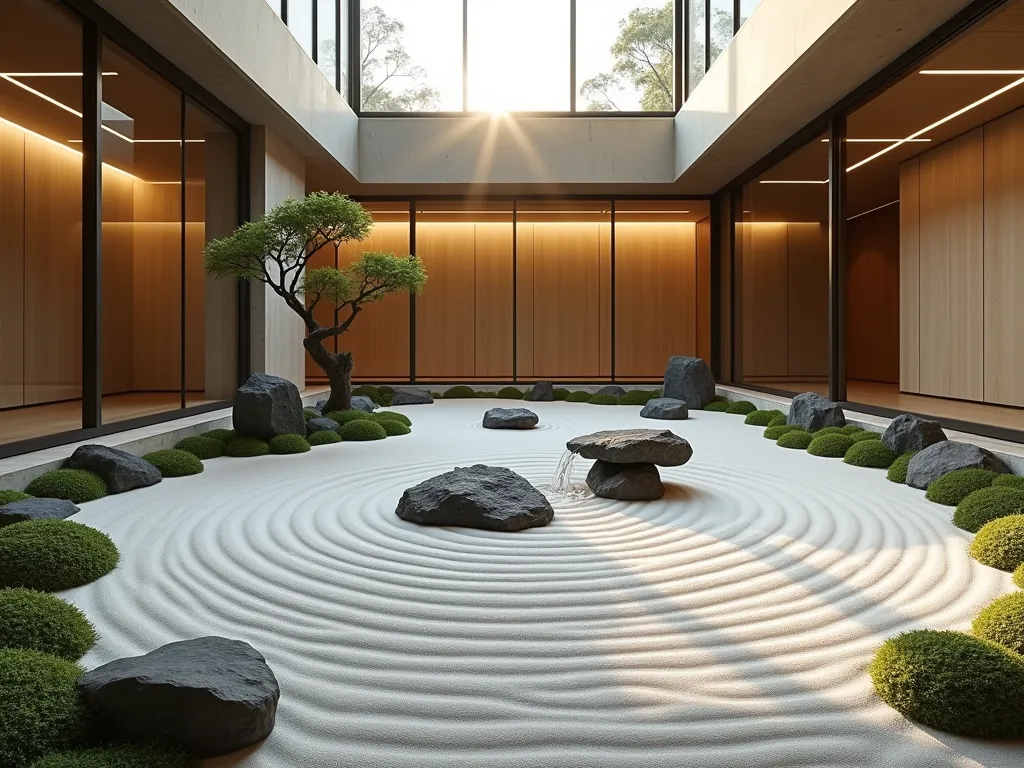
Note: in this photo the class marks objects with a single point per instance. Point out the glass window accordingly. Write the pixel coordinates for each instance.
(327, 43)
(411, 55)
(747, 7)
(624, 55)
(519, 55)
(698, 34)
(343, 49)
(276, 5)
(300, 22)
(721, 27)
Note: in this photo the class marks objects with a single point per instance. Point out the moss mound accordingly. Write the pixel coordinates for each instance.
(954, 487)
(898, 469)
(125, 756)
(778, 421)
(37, 621)
(952, 681)
(603, 400)
(9, 497)
(485, 394)
(510, 393)
(310, 413)
(774, 433)
(578, 397)
(560, 393)
(246, 448)
(362, 431)
(985, 505)
(1003, 481)
(828, 431)
(1003, 622)
(344, 417)
(864, 434)
(762, 418)
(324, 437)
(637, 397)
(385, 398)
(77, 485)
(175, 463)
(201, 447)
(1018, 577)
(1000, 543)
(796, 438)
(831, 446)
(382, 416)
(366, 390)
(851, 429)
(869, 453)
(224, 435)
(394, 428)
(43, 710)
(53, 555)
(283, 445)
(717, 406)
(385, 390)
(456, 393)
(741, 408)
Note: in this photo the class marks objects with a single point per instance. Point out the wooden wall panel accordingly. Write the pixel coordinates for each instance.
(655, 296)
(910, 276)
(702, 235)
(494, 297)
(807, 348)
(524, 299)
(118, 268)
(952, 264)
(446, 310)
(604, 299)
(1004, 260)
(12, 267)
(873, 297)
(765, 298)
(324, 312)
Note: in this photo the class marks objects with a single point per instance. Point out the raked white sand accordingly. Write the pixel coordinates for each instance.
(729, 624)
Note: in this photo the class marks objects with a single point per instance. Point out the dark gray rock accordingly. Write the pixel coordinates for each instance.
(321, 425)
(320, 405)
(543, 391)
(121, 470)
(665, 408)
(267, 406)
(811, 411)
(412, 396)
(36, 509)
(689, 379)
(911, 433)
(510, 418)
(946, 456)
(209, 696)
(491, 498)
(612, 389)
(633, 446)
(625, 482)
(362, 403)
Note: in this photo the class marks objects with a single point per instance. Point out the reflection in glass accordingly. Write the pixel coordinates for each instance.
(721, 27)
(327, 44)
(300, 22)
(697, 21)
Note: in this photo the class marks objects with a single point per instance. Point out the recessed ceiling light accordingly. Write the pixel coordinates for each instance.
(795, 181)
(50, 74)
(1011, 72)
(880, 141)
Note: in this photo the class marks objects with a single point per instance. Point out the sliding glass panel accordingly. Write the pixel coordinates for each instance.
(411, 55)
(697, 23)
(747, 7)
(276, 5)
(624, 55)
(300, 22)
(327, 39)
(721, 27)
(343, 48)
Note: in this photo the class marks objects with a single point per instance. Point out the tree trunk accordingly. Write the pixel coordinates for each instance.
(338, 368)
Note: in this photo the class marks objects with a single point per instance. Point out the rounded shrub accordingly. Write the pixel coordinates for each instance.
(283, 445)
(898, 469)
(386, 390)
(324, 437)
(201, 447)
(1000, 543)
(174, 462)
(310, 413)
(578, 397)
(43, 710)
(717, 406)
(9, 497)
(869, 453)
(394, 428)
(1018, 577)
(485, 394)
(1003, 622)
(637, 397)
(830, 446)
(774, 433)
(778, 421)
(224, 435)
(38, 621)
(603, 400)
(1003, 481)
(461, 391)
(864, 435)
(560, 393)
(77, 485)
(366, 390)
(124, 756)
(761, 418)
(987, 504)
(386, 398)
(955, 486)
(362, 431)
(344, 417)
(796, 438)
(952, 681)
(510, 393)
(392, 416)
(741, 408)
(53, 555)
(828, 431)
(851, 429)
(246, 448)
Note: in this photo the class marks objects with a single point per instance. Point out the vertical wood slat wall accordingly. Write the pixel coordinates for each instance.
(961, 272)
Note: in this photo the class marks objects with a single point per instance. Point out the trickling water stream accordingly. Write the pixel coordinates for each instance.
(562, 486)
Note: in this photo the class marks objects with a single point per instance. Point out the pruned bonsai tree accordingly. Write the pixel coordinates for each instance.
(275, 250)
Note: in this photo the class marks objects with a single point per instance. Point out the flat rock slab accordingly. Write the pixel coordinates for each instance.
(210, 696)
(510, 418)
(947, 456)
(633, 446)
(625, 482)
(321, 425)
(543, 391)
(412, 397)
(362, 403)
(911, 433)
(612, 389)
(36, 509)
(489, 498)
(689, 379)
(811, 412)
(122, 471)
(267, 406)
(665, 408)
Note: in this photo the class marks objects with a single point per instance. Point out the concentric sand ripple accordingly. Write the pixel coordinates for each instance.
(729, 624)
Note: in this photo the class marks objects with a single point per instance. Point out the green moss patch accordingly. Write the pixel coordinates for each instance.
(175, 463)
(774, 433)
(954, 487)
(796, 438)
(77, 485)
(224, 435)
(38, 621)
(603, 400)
(283, 445)
(762, 418)
(124, 756)
(828, 431)
(310, 413)
(1000, 543)
(9, 497)
(578, 397)
(459, 392)
(1009, 481)
(637, 397)
(560, 393)
(863, 435)
(201, 447)
(1003, 623)
(1018, 577)
(741, 408)
(394, 428)
(778, 421)
(344, 417)
(246, 448)
(324, 437)
(830, 446)
(870, 453)
(717, 406)
(382, 416)
(954, 682)
(53, 555)
(361, 431)
(366, 390)
(898, 469)
(851, 430)
(987, 504)
(510, 393)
